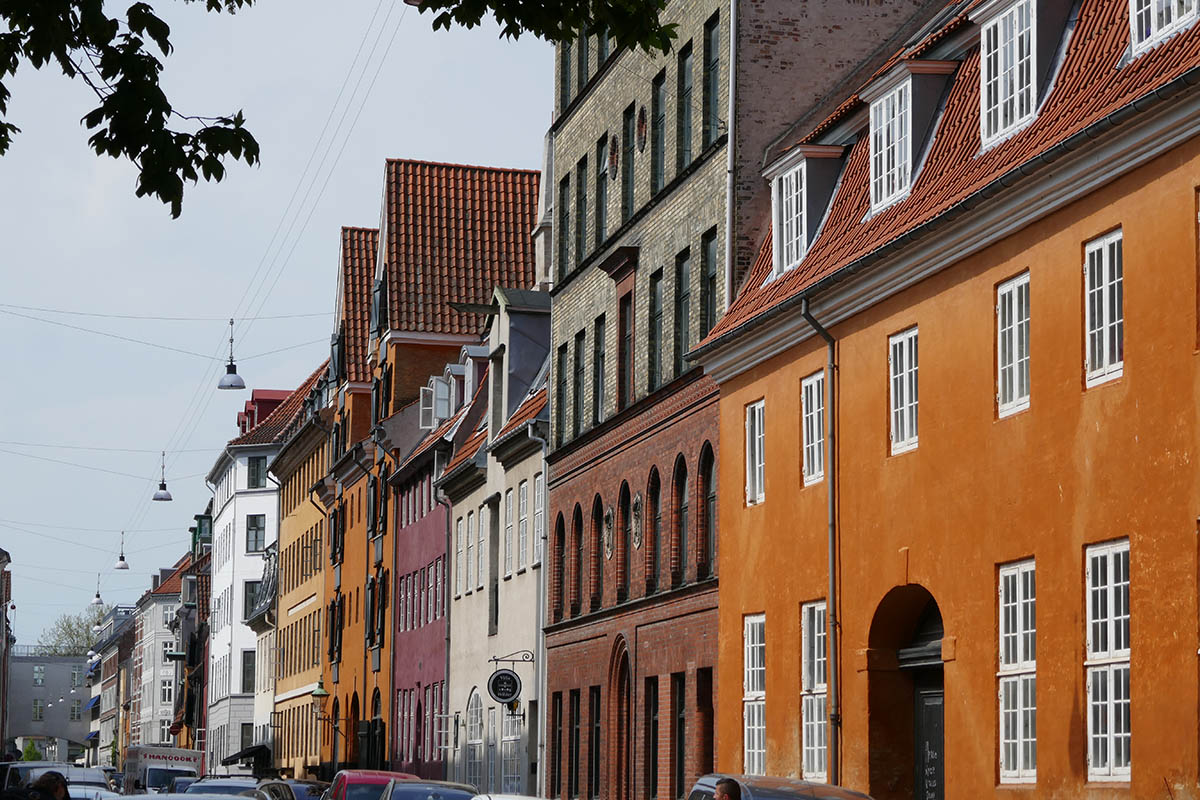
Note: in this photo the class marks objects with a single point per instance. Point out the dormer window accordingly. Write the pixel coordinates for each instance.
(1007, 70)
(788, 199)
(891, 146)
(1151, 21)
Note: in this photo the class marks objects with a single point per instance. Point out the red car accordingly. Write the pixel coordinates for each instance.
(364, 784)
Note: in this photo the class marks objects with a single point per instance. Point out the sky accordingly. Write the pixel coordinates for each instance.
(329, 91)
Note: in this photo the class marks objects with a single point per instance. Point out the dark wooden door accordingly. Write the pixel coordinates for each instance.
(929, 743)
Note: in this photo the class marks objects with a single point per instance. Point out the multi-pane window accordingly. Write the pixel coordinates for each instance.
(76, 710)
(658, 132)
(508, 532)
(579, 371)
(510, 754)
(683, 115)
(39, 674)
(39, 709)
(598, 345)
(813, 689)
(655, 334)
(712, 80)
(167, 648)
(573, 733)
(755, 459)
(166, 690)
(708, 281)
(1012, 345)
(1151, 21)
(1018, 673)
(754, 695)
(563, 234)
(480, 559)
(560, 395)
(1107, 661)
(256, 533)
(625, 352)
(788, 198)
(470, 536)
(595, 741)
(539, 516)
(459, 566)
(1006, 71)
(76, 677)
(651, 737)
(555, 777)
(581, 203)
(812, 397)
(249, 597)
(683, 308)
(891, 134)
(601, 189)
(678, 735)
(1103, 274)
(902, 365)
(256, 472)
(628, 137)
(522, 524)
(248, 657)
(475, 742)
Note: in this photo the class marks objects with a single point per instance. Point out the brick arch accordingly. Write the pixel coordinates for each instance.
(596, 549)
(559, 556)
(680, 520)
(577, 560)
(706, 512)
(623, 543)
(652, 530)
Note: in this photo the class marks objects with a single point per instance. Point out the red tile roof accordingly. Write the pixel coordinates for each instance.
(1091, 84)
(455, 232)
(468, 450)
(530, 407)
(173, 583)
(358, 273)
(273, 427)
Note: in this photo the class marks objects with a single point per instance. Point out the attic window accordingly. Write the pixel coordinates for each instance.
(1151, 21)
(787, 199)
(891, 146)
(1007, 69)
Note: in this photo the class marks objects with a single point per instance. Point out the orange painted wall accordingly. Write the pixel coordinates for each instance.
(1080, 466)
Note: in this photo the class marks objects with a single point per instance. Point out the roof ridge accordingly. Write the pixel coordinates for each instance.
(454, 165)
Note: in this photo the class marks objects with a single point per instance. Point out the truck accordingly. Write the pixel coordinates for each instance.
(149, 768)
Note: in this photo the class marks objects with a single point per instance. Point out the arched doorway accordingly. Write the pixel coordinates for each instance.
(906, 697)
(620, 685)
(354, 736)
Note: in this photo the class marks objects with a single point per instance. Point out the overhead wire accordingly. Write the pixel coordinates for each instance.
(103, 449)
(151, 317)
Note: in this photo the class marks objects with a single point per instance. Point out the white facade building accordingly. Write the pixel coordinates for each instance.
(245, 521)
(157, 683)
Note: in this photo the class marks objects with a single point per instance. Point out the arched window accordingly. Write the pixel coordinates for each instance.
(597, 547)
(560, 563)
(624, 544)
(475, 741)
(707, 533)
(679, 557)
(652, 525)
(577, 561)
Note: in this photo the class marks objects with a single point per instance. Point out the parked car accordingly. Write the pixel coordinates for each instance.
(426, 790)
(16, 773)
(180, 782)
(364, 784)
(290, 789)
(78, 778)
(769, 787)
(222, 786)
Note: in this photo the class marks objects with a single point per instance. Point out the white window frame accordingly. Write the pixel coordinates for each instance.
(1007, 72)
(470, 573)
(1012, 345)
(814, 667)
(459, 564)
(903, 389)
(166, 690)
(1103, 297)
(508, 532)
(789, 211)
(511, 759)
(164, 731)
(1016, 672)
(755, 456)
(1147, 28)
(1106, 661)
(474, 742)
(812, 400)
(754, 694)
(539, 516)
(522, 524)
(480, 550)
(891, 146)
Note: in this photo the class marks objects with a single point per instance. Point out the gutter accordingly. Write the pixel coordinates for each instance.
(1032, 166)
(835, 714)
(539, 661)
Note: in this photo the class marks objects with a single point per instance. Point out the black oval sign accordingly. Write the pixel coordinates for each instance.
(504, 686)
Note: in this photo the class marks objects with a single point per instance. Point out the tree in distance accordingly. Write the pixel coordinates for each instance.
(71, 634)
(116, 57)
(31, 753)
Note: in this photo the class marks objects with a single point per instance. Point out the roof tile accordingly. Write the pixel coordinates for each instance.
(278, 421)
(358, 273)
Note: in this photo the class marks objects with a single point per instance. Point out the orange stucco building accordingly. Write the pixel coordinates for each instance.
(1013, 598)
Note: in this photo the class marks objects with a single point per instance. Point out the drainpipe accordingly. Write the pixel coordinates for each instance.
(835, 715)
(730, 152)
(441, 500)
(539, 662)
